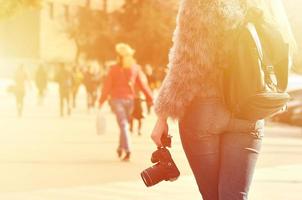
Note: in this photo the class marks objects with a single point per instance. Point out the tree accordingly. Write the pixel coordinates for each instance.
(93, 34)
(145, 25)
(148, 27)
(10, 7)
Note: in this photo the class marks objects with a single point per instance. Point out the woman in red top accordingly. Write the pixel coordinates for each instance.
(119, 88)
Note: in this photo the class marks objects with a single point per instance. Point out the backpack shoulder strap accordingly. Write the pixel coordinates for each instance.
(254, 34)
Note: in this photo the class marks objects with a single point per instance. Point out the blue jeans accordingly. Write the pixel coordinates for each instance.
(123, 109)
(221, 151)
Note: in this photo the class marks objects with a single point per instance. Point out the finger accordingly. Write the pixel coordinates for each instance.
(166, 130)
(156, 140)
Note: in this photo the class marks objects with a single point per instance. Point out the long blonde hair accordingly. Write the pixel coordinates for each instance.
(126, 61)
(125, 55)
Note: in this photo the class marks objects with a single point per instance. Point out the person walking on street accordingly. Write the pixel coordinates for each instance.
(92, 81)
(119, 88)
(138, 112)
(65, 80)
(41, 82)
(77, 77)
(222, 149)
(20, 78)
(151, 79)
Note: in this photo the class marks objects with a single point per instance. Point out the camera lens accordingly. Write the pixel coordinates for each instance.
(152, 176)
(146, 178)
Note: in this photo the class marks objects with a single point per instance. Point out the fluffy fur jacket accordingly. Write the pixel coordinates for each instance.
(198, 53)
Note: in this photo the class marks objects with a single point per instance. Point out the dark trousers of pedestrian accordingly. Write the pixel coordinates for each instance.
(40, 96)
(221, 151)
(20, 102)
(74, 97)
(65, 95)
(123, 109)
(91, 98)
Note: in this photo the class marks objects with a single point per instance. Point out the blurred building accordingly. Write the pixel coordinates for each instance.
(32, 36)
(19, 40)
(36, 35)
(294, 8)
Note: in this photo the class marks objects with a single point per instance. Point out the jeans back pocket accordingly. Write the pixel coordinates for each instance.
(206, 117)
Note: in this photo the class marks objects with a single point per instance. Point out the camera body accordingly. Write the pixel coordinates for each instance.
(164, 169)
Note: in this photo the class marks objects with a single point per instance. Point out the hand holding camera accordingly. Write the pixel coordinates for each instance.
(159, 131)
(165, 168)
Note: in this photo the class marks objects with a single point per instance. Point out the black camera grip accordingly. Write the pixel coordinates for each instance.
(166, 140)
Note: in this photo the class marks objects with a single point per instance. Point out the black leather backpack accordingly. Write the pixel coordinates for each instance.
(255, 83)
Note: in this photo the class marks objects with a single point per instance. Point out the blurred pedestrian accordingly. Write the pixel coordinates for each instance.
(137, 114)
(92, 81)
(119, 88)
(78, 77)
(41, 79)
(20, 78)
(150, 75)
(151, 79)
(65, 81)
(138, 111)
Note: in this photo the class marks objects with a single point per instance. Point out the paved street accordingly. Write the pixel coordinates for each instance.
(45, 157)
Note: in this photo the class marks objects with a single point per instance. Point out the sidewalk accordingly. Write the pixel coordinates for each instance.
(278, 183)
(45, 157)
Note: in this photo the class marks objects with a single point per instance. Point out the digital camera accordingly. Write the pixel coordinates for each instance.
(164, 169)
